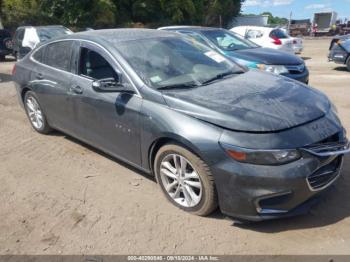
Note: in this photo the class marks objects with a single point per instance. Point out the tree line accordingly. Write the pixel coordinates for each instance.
(97, 14)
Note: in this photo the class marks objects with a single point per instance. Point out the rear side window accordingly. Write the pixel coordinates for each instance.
(253, 34)
(58, 55)
(278, 33)
(39, 54)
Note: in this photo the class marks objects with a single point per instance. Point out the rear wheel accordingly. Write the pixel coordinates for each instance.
(348, 63)
(35, 113)
(185, 180)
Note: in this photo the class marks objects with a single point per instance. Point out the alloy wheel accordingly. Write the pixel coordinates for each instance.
(180, 180)
(34, 112)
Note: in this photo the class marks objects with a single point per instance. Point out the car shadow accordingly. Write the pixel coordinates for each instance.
(103, 154)
(4, 78)
(305, 58)
(341, 69)
(332, 207)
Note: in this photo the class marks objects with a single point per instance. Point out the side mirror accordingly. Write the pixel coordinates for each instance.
(106, 85)
(109, 85)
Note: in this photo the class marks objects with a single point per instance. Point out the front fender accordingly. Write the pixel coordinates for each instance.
(160, 122)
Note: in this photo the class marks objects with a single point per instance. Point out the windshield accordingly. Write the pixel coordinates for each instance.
(51, 32)
(228, 41)
(169, 61)
(346, 45)
(278, 33)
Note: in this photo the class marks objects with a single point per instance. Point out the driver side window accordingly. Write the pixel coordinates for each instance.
(95, 66)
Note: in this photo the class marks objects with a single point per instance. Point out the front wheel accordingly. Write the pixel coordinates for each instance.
(35, 113)
(348, 64)
(185, 180)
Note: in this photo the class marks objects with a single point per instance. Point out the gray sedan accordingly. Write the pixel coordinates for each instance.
(259, 146)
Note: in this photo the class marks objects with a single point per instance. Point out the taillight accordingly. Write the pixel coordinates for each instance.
(276, 40)
(295, 42)
(14, 70)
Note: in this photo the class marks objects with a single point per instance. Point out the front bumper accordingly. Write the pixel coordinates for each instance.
(301, 77)
(255, 192)
(5, 52)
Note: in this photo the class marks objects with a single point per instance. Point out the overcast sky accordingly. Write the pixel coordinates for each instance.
(300, 8)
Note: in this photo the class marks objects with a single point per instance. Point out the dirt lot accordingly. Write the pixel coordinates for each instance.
(59, 196)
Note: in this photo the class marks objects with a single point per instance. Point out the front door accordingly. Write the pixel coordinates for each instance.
(108, 120)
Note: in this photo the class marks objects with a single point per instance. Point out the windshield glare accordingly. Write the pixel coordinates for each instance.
(169, 61)
(228, 41)
(346, 45)
(48, 33)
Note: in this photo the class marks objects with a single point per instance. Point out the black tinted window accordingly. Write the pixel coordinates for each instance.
(58, 55)
(39, 54)
(278, 33)
(95, 66)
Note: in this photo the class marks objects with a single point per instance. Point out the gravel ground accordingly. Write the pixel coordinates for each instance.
(59, 196)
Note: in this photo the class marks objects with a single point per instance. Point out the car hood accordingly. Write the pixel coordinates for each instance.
(252, 102)
(266, 56)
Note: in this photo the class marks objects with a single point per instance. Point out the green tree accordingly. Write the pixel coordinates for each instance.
(275, 20)
(82, 13)
(112, 13)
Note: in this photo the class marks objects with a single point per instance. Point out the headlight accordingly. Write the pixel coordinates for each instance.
(276, 69)
(262, 157)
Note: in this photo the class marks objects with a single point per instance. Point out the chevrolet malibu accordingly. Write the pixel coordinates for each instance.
(259, 146)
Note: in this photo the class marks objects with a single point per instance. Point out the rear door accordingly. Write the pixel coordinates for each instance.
(53, 81)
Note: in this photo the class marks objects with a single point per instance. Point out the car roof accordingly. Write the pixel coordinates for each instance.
(119, 35)
(342, 37)
(266, 29)
(41, 26)
(189, 27)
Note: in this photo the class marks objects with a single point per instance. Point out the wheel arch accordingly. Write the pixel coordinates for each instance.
(167, 139)
(24, 91)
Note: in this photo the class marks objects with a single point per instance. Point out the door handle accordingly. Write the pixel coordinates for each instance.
(76, 89)
(39, 76)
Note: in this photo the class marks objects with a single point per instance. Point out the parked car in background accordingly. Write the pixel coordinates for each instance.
(258, 145)
(5, 43)
(298, 45)
(297, 42)
(245, 52)
(340, 50)
(274, 38)
(27, 37)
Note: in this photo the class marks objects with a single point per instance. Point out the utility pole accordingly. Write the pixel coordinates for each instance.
(290, 21)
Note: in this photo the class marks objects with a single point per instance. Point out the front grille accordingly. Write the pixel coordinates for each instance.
(325, 175)
(296, 69)
(334, 145)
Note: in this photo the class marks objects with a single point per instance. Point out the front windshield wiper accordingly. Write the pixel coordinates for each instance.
(221, 76)
(179, 86)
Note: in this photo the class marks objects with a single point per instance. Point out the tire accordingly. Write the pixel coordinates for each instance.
(348, 64)
(2, 57)
(35, 113)
(197, 172)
